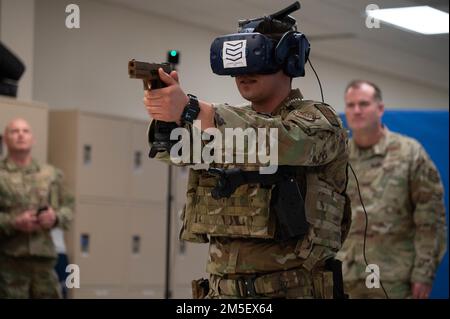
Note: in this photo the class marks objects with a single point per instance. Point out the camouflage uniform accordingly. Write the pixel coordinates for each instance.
(27, 260)
(406, 235)
(240, 229)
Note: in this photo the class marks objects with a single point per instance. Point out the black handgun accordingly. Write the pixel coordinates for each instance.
(148, 73)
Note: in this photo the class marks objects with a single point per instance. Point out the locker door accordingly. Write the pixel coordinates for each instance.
(148, 176)
(100, 243)
(104, 156)
(146, 245)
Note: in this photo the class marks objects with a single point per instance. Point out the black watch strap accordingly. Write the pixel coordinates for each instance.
(191, 110)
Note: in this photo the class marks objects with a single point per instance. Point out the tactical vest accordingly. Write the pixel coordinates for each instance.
(248, 214)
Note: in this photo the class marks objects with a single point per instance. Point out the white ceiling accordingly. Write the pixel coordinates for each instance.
(411, 56)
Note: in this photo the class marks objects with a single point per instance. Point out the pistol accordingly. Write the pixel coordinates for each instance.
(148, 73)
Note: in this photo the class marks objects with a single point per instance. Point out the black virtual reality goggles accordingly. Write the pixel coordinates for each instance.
(254, 51)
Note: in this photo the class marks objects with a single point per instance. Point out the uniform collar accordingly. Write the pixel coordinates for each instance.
(295, 96)
(380, 148)
(10, 166)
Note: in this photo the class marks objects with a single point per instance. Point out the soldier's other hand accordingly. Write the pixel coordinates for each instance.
(27, 222)
(166, 104)
(47, 218)
(420, 290)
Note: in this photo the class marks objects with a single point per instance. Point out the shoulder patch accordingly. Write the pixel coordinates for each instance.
(306, 115)
(329, 115)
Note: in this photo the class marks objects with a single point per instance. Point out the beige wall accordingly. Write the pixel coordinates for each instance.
(86, 68)
(397, 92)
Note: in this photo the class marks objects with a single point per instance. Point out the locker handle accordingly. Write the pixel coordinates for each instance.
(137, 160)
(87, 154)
(182, 247)
(85, 244)
(136, 245)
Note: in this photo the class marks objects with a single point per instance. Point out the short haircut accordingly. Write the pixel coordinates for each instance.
(356, 84)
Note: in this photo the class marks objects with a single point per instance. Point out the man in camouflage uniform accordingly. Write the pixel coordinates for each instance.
(27, 254)
(245, 260)
(403, 196)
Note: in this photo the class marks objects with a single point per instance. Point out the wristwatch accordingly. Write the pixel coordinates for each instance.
(191, 110)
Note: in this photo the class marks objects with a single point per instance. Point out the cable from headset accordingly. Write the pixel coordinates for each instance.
(365, 228)
(318, 80)
(359, 192)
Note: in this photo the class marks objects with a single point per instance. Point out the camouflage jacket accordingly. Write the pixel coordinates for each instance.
(310, 134)
(30, 187)
(403, 196)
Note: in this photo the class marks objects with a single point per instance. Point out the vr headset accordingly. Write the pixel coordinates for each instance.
(250, 52)
(255, 53)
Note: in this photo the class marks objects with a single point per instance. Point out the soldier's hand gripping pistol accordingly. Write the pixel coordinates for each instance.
(148, 73)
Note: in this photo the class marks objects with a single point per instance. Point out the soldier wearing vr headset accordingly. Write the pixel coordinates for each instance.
(254, 253)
